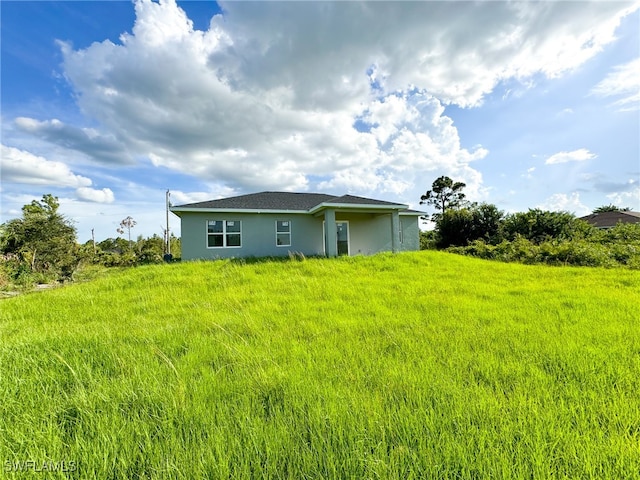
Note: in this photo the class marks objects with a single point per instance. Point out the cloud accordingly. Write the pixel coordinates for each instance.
(603, 184)
(561, 202)
(298, 96)
(197, 120)
(104, 195)
(580, 155)
(529, 173)
(629, 198)
(19, 166)
(101, 148)
(456, 52)
(622, 82)
(180, 198)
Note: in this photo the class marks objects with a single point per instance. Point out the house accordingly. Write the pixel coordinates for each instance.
(611, 219)
(276, 223)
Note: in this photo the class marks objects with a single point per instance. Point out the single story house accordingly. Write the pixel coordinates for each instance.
(611, 219)
(269, 224)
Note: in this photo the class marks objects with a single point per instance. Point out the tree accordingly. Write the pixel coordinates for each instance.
(611, 208)
(43, 239)
(150, 250)
(444, 194)
(128, 223)
(462, 226)
(539, 225)
(453, 228)
(487, 222)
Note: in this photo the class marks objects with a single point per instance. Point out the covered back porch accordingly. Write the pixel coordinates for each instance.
(352, 229)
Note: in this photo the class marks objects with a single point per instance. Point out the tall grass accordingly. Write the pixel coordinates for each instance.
(417, 365)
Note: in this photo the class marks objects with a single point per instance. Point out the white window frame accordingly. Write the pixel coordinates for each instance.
(224, 234)
(288, 222)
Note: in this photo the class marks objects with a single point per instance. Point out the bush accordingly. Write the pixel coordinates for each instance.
(539, 225)
(463, 226)
(428, 240)
(578, 252)
(537, 236)
(42, 241)
(556, 252)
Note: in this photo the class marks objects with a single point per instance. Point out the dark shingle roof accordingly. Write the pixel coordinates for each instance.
(352, 199)
(283, 201)
(266, 201)
(610, 219)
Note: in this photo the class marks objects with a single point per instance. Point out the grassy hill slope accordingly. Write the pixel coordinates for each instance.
(417, 365)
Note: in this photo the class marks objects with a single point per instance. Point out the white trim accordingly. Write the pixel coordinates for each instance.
(317, 208)
(283, 233)
(357, 206)
(224, 234)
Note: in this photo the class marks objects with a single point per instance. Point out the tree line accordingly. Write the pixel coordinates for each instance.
(535, 236)
(41, 247)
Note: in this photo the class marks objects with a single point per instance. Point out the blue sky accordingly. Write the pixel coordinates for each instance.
(109, 104)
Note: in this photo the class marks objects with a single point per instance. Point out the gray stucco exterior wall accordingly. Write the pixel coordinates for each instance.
(369, 233)
(410, 229)
(258, 235)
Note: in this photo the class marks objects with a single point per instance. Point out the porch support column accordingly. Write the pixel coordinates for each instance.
(330, 233)
(395, 231)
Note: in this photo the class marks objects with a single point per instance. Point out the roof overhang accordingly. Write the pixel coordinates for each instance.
(343, 207)
(356, 207)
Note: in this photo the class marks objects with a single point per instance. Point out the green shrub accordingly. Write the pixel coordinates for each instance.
(555, 252)
(428, 240)
(540, 225)
(459, 227)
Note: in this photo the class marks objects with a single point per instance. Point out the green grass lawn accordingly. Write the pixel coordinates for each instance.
(416, 365)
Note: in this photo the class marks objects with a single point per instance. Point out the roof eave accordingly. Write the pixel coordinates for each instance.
(356, 206)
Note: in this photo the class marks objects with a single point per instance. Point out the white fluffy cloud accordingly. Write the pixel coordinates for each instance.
(458, 52)
(179, 198)
(19, 166)
(561, 202)
(104, 195)
(623, 82)
(630, 198)
(343, 95)
(579, 155)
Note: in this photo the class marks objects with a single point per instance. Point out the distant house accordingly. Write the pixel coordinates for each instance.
(275, 223)
(611, 219)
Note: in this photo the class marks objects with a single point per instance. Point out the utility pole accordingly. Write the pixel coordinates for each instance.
(167, 231)
(93, 238)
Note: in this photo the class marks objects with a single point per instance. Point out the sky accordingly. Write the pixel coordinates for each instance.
(107, 105)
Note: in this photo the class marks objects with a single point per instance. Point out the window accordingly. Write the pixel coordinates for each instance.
(224, 233)
(283, 233)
